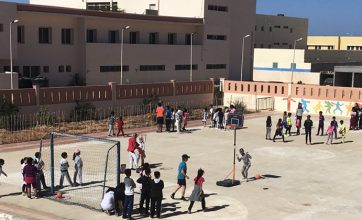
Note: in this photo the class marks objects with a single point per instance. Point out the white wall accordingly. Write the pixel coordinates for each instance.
(61, 3)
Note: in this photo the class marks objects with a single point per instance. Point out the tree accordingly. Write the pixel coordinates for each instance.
(7, 108)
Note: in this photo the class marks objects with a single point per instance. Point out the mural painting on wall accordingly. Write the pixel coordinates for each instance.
(328, 107)
(289, 102)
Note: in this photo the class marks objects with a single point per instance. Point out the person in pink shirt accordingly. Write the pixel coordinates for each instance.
(198, 192)
(330, 130)
(29, 173)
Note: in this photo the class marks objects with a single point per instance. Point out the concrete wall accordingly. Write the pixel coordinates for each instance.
(332, 101)
(289, 30)
(286, 76)
(7, 14)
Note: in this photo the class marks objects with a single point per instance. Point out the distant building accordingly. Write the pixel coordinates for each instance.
(280, 32)
(69, 45)
(335, 43)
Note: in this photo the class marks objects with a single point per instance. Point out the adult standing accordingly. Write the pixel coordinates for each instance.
(308, 124)
(299, 112)
(132, 147)
(178, 117)
(160, 113)
(181, 177)
(168, 118)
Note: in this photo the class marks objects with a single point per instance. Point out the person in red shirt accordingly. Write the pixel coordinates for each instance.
(120, 124)
(160, 112)
(198, 193)
(29, 173)
(132, 147)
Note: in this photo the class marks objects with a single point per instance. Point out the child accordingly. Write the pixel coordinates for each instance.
(23, 164)
(111, 122)
(30, 177)
(308, 124)
(330, 130)
(343, 130)
(40, 166)
(298, 125)
(108, 201)
(78, 167)
(178, 118)
(215, 118)
(220, 119)
(212, 112)
(146, 182)
(279, 130)
(289, 124)
(173, 119)
(132, 147)
(335, 124)
(246, 160)
(185, 119)
(226, 116)
(285, 116)
(120, 124)
(268, 128)
(142, 150)
(2, 162)
(64, 170)
(198, 192)
(129, 194)
(156, 195)
(204, 117)
(321, 123)
(168, 118)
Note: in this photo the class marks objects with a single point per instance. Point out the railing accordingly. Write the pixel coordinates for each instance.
(267, 89)
(19, 97)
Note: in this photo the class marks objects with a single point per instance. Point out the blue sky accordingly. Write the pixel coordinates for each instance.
(326, 17)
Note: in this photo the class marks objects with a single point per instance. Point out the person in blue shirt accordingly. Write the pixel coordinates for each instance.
(168, 118)
(181, 177)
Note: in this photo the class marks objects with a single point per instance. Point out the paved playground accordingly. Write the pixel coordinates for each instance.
(301, 181)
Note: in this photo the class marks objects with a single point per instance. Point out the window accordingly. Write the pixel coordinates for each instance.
(291, 30)
(262, 28)
(216, 37)
(277, 26)
(286, 27)
(26, 71)
(153, 38)
(91, 35)
(1, 27)
(293, 66)
(188, 39)
(21, 36)
(134, 37)
(102, 6)
(276, 43)
(45, 69)
(285, 44)
(45, 35)
(261, 45)
(67, 36)
(256, 28)
(270, 29)
(113, 36)
(185, 67)
(105, 69)
(68, 68)
(217, 8)
(152, 68)
(317, 47)
(34, 71)
(275, 65)
(61, 68)
(215, 66)
(172, 38)
(330, 47)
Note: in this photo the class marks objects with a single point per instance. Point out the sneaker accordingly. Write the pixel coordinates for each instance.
(183, 198)
(172, 196)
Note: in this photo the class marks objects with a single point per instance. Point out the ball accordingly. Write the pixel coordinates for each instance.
(257, 176)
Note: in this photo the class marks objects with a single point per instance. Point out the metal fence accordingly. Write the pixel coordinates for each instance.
(266, 103)
(28, 127)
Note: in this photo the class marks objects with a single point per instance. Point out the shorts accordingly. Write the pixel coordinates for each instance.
(159, 120)
(30, 181)
(181, 182)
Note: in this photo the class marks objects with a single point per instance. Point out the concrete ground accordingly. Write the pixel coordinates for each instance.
(301, 181)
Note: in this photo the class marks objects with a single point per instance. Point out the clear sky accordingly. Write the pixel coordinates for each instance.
(326, 17)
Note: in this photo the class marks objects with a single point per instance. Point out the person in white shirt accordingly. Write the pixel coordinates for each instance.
(78, 167)
(212, 112)
(178, 117)
(129, 185)
(245, 157)
(107, 203)
(64, 165)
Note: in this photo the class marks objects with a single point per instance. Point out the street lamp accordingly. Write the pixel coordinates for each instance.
(11, 54)
(122, 30)
(191, 37)
(295, 43)
(242, 57)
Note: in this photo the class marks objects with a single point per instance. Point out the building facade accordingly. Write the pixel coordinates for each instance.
(335, 43)
(71, 46)
(280, 32)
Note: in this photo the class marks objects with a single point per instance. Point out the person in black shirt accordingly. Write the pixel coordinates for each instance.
(268, 128)
(146, 182)
(308, 124)
(156, 195)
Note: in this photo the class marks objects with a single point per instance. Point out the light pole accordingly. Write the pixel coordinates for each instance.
(295, 44)
(11, 54)
(191, 37)
(122, 30)
(242, 57)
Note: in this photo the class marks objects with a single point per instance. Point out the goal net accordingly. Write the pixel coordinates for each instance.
(101, 166)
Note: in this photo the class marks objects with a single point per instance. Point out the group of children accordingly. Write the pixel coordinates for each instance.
(78, 169)
(122, 197)
(287, 123)
(178, 118)
(219, 118)
(115, 120)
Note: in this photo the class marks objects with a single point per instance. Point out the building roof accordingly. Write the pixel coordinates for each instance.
(119, 15)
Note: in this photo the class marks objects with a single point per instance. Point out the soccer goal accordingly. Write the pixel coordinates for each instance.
(101, 167)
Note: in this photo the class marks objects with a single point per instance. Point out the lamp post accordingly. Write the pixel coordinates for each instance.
(191, 37)
(122, 30)
(242, 57)
(295, 44)
(11, 54)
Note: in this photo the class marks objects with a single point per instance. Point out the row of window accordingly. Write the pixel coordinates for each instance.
(159, 67)
(217, 8)
(275, 45)
(102, 6)
(32, 71)
(292, 65)
(216, 37)
(275, 27)
(354, 47)
(320, 47)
